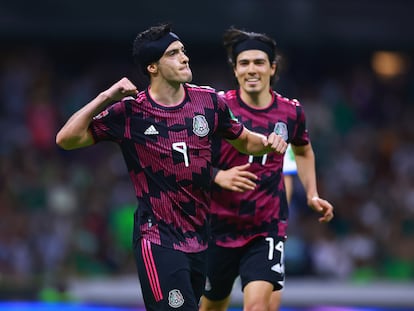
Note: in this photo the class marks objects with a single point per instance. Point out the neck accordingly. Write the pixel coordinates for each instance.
(168, 94)
(259, 99)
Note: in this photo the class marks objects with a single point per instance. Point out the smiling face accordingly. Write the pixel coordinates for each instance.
(173, 66)
(253, 71)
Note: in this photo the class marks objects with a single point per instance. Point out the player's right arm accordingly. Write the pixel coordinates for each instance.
(75, 133)
(257, 144)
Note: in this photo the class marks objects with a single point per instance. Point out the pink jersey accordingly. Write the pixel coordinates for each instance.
(236, 218)
(167, 151)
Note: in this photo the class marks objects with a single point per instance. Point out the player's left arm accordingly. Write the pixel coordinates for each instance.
(305, 160)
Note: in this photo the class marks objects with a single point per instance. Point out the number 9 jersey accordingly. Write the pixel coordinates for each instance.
(167, 150)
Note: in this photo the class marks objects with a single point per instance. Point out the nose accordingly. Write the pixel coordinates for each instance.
(184, 57)
(251, 68)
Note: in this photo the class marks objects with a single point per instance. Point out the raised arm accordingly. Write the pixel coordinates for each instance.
(75, 134)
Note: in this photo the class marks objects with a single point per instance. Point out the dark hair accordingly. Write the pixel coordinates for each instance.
(152, 34)
(234, 37)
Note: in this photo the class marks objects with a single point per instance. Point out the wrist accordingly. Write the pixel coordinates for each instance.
(313, 197)
(104, 97)
(214, 174)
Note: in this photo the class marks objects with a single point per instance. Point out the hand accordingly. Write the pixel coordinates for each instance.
(121, 89)
(237, 178)
(276, 143)
(323, 207)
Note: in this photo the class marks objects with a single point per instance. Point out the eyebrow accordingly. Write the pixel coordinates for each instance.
(179, 48)
(254, 59)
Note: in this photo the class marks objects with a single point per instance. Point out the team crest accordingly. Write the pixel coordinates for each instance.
(175, 298)
(200, 126)
(281, 129)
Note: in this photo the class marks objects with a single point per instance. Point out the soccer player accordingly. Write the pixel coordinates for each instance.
(165, 134)
(249, 210)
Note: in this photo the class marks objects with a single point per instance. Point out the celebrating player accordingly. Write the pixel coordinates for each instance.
(165, 134)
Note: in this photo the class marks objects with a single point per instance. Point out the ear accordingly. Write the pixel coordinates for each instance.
(235, 71)
(274, 68)
(152, 68)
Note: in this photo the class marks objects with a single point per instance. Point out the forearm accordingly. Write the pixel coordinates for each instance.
(251, 143)
(75, 134)
(255, 144)
(307, 172)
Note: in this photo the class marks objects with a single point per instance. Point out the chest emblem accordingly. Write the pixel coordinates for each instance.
(200, 126)
(281, 129)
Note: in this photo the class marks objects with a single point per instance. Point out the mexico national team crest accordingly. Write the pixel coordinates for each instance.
(281, 129)
(175, 298)
(200, 126)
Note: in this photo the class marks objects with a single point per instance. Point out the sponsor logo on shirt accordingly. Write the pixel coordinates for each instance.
(151, 131)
